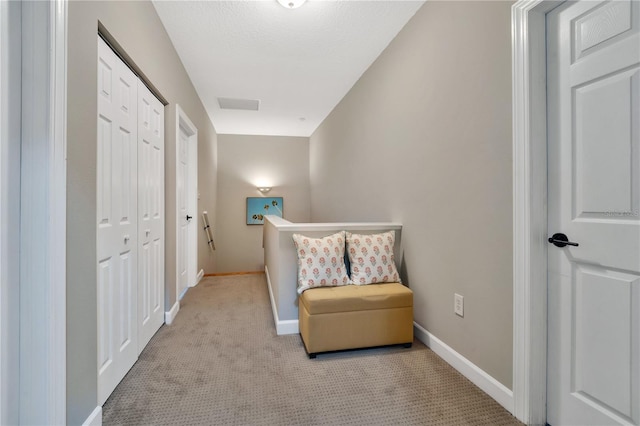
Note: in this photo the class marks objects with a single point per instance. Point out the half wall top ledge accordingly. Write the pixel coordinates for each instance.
(281, 265)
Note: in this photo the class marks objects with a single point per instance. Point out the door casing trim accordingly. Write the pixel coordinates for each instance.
(43, 395)
(529, 208)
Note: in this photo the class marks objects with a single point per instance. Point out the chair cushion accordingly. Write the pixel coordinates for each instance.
(349, 298)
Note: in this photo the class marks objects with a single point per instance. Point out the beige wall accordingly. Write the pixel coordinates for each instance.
(137, 28)
(244, 162)
(207, 199)
(424, 138)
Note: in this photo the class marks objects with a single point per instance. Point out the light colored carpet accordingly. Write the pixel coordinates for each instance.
(221, 363)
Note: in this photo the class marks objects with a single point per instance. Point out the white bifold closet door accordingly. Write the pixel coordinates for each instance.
(150, 215)
(117, 174)
(130, 218)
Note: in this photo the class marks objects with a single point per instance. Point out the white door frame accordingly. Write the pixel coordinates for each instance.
(182, 120)
(10, 111)
(57, 243)
(43, 214)
(529, 209)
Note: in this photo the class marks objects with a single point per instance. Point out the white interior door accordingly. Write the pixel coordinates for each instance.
(150, 215)
(116, 220)
(192, 195)
(187, 202)
(184, 215)
(594, 190)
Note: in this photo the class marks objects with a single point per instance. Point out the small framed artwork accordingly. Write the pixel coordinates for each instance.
(259, 207)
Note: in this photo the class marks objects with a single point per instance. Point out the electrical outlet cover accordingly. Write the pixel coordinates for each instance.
(458, 305)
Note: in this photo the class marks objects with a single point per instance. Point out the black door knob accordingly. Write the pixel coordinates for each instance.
(189, 217)
(561, 240)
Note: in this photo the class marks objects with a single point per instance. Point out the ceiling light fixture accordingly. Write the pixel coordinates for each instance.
(264, 189)
(291, 4)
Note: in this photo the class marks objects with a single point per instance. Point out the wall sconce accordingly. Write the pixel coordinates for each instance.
(291, 4)
(264, 189)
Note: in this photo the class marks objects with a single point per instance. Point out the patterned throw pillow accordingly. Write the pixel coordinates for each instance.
(371, 258)
(320, 261)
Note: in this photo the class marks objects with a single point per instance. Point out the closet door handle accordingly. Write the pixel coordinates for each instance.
(189, 217)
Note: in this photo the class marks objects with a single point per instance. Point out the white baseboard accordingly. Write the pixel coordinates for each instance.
(478, 377)
(199, 277)
(95, 418)
(170, 316)
(287, 327)
(282, 327)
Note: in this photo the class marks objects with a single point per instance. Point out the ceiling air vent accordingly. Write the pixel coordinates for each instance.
(245, 104)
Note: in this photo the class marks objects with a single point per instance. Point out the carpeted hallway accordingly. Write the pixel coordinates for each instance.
(221, 363)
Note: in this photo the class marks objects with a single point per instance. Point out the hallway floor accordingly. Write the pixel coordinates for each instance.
(221, 363)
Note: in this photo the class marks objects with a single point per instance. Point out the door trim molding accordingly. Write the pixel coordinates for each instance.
(5, 241)
(43, 214)
(58, 199)
(529, 209)
(10, 112)
(182, 120)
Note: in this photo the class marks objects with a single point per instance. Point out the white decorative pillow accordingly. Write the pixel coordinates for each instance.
(320, 261)
(371, 257)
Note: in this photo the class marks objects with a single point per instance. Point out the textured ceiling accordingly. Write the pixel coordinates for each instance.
(298, 63)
